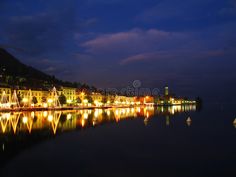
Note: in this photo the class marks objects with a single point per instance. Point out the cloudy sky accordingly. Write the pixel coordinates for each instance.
(189, 44)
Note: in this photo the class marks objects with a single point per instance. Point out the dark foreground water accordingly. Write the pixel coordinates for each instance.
(145, 142)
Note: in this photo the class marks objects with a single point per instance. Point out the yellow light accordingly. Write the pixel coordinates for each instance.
(82, 122)
(139, 110)
(117, 112)
(45, 105)
(69, 101)
(96, 102)
(85, 101)
(50, 100)
(69, 116)
(6, 116)
(50, 118)
(25, 120)
(123, 111)
(147, 115)
(94, 123)
(45, 114)
(85, 115)
(25, 100)
(132, 110)
(96, 113)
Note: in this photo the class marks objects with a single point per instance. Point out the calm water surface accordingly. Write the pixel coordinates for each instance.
(142, 141)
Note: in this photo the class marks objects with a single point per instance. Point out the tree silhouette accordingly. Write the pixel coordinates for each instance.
(104, 100)
(62, 99)
(89, 98)
(78, 100)
(34, 100)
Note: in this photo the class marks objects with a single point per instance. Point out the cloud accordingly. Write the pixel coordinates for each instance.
(138, 45)
(145, 57)
(172, 55)
(132, 41)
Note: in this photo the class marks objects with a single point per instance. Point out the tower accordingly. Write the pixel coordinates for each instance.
(166, 91)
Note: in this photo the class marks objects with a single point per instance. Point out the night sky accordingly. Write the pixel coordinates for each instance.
(189, 44)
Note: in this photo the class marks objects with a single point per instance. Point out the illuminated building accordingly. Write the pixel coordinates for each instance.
(27, 95)
(98, 98)
(70, 94)
(6, 91)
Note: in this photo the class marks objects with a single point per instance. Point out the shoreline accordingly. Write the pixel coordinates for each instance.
(81, 108)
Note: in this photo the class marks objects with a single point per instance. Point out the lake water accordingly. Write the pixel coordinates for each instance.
(139, 142)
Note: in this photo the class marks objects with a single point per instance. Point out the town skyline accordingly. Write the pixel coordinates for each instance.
(189, 45)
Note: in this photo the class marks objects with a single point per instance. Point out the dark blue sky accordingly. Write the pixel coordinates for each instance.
(189, 44)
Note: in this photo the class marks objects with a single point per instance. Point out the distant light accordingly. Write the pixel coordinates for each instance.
(69, 101)
(45, 114)
(25, 100)
(25, 120)
(85, 115)
(50, 118)
(82, 122)
(69, 116)
(45, 105)
(96, 113)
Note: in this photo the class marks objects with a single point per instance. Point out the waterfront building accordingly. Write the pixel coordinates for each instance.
(98, 98)
(123, 100)
(32, 96)
(5, 92)
(144, 100)
(70, 94)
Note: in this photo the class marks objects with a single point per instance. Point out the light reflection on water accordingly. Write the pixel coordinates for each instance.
(103, 142)
(18, 122)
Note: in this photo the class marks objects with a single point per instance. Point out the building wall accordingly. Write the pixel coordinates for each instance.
(97, 97)
(32, 93)
(7, 92)
(70, 94)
